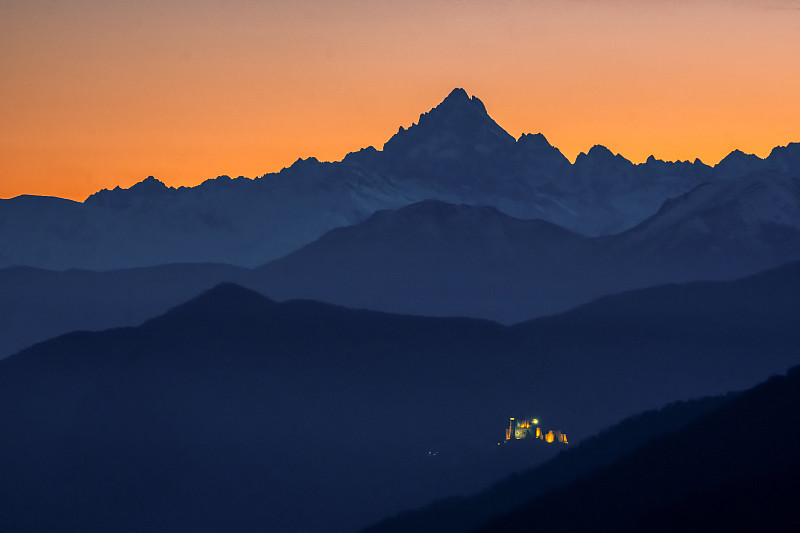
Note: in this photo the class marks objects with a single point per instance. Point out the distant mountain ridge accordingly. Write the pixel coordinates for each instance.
(440, 259)
(263, 407)
(233, 411)
(456, 153)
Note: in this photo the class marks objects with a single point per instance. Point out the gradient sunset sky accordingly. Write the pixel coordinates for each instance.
(100, 93)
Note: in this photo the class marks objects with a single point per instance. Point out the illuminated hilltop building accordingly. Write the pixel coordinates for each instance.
(528, 428)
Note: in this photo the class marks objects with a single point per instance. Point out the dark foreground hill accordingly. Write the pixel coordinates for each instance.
(464, 514)
(735, 469)
(233, 412)
(719, 464)
(236, 412)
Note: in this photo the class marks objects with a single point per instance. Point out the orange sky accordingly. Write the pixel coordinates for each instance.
(99, 93)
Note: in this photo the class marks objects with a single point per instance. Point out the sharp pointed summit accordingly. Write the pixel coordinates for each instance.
(459, 101)
(455, 153)
(459, 124)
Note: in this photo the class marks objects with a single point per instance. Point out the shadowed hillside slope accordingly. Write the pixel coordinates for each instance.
(467, 513)
(37, 304)
(734, 469)
(238, 400)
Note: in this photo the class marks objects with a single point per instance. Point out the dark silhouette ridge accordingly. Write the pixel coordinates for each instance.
(435, 258)
(234, 410)
(737, 164)
(466, 260)
(710, 473)
(709, 300)
(459, 116)
(535, 140)
(784, 158)
(145, 191)
(39, 304)
(467, 513)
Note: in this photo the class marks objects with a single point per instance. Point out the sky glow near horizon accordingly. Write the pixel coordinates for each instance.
(97, 93)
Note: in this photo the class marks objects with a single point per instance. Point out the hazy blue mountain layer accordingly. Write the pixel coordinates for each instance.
(440, 259)
(37, 304)
(233, 411)
(433, 258)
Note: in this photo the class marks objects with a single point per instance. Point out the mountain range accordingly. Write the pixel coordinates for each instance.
(435, 258)
(341, 342)
(453, 217)
(455, 153)
(237, 412)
